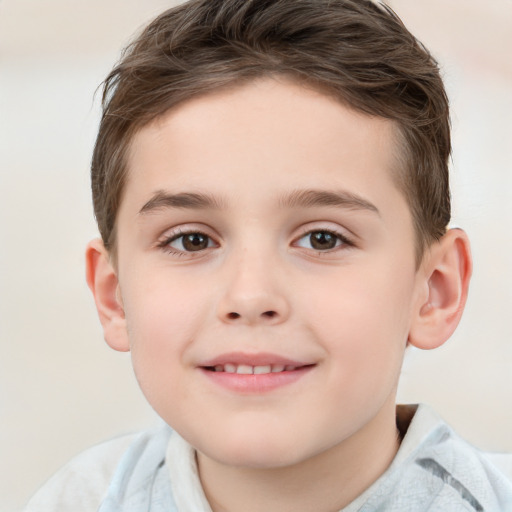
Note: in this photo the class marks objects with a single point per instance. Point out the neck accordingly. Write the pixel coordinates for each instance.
(326, 482)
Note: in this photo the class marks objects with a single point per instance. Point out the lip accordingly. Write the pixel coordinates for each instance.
(258, 359)
(254, 384)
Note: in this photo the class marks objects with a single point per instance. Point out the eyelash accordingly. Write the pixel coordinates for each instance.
(165, 243)
(341, 241)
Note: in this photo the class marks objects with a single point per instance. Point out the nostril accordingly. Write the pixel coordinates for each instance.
(233, 315)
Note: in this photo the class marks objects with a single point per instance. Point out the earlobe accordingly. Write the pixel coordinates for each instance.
(104, 285)
(445, 275)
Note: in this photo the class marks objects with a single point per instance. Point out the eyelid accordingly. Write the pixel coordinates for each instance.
(347, 240)
(164, 240)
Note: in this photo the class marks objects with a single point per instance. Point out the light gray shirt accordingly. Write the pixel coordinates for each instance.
(433, 471)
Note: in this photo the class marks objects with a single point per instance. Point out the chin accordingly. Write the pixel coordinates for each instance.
(262, 452)
(254, 459)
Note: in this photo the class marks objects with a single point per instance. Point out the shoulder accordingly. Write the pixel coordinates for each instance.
(503, 461)
(437, 459)
(82, 483)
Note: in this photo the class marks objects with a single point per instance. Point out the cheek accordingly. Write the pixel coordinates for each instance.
(363, 319)
(162, 306)
(163, 317)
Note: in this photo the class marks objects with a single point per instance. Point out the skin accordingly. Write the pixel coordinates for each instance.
(259, 283)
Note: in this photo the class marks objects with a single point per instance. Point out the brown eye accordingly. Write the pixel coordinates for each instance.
(195, 242)
(323, 240)
(191, 242)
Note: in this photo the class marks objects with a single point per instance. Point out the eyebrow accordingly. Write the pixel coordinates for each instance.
(186, 200)
(313, 198)
(309, 198)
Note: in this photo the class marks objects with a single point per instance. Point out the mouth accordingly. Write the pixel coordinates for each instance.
(249, 374)
(246, 369)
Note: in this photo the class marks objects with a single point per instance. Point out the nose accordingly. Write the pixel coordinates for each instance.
(252, 294)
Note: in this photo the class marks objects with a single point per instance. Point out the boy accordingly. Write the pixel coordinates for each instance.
(270, 182)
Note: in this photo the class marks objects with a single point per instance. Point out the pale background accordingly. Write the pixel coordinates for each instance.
(61, 388)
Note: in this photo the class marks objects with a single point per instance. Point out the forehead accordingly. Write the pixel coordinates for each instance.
(275, 132)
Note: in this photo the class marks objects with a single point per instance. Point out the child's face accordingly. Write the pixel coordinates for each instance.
(261, 227)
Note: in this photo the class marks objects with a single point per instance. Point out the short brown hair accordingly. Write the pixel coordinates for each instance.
(357, 50)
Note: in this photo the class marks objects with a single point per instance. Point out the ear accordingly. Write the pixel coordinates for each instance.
(102, 280)
(444, 280)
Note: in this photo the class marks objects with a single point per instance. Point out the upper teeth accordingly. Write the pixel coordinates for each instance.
(248, 369)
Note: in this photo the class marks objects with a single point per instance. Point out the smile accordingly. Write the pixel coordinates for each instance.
(245, 369)
(250, 374)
